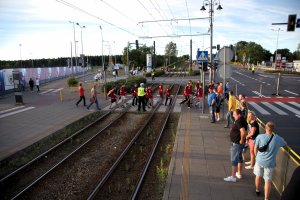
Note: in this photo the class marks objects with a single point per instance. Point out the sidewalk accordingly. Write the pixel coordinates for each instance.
(200, 161)
(40, 116)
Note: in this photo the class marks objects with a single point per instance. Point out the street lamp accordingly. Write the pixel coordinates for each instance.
(20, 45)
(104, 71)
(211, 4)
(74, 42)
(276, 44)
(81, 36)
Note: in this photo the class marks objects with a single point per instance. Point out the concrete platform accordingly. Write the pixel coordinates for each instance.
(200, 161)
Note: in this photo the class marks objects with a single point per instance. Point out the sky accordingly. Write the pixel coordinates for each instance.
(34, 29)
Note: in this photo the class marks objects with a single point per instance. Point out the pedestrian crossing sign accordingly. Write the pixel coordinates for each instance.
(202, 56)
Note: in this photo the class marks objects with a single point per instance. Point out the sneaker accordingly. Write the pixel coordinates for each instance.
(249, 167)
(257, 192)
(239, 176)
(248, 162)
(218, 119)
(230, 179)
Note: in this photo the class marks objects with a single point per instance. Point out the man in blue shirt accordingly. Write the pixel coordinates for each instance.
(266, 161)
(212, 97)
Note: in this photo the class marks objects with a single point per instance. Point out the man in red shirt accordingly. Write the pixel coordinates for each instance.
(81, 95)
(187, 92)
(168, 96)
(122, 95)
(113, 97)
(134, 95)
(149, 96)
(161, 92)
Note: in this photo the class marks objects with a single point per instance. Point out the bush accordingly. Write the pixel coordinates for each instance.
(72, 81)
(129, 83)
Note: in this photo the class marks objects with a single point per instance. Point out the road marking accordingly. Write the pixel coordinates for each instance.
(297, 112)
(57, 90)
(259, 94)
(15, 112)
(275, 109)
(47, 91)
(259, 108)
(292, 92)
(11, 109)
(295, 104)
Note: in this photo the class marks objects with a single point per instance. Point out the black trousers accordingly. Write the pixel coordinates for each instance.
(134, 101)
(188, 100)
(141, 100)
(81, 98)
(167, 98)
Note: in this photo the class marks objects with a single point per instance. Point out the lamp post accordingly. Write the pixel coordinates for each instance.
(74, 42)
(81, 27)
(104, 71)
(276, 44)
(211, 4)
(20, 45)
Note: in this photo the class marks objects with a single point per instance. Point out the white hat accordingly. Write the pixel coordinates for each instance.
(142, 84)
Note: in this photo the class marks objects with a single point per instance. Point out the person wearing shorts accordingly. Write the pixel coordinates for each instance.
(113, 97)
(237, 137)
(266, 161)
(253, 133)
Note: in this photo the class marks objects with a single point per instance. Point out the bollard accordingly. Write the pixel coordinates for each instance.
(260, 90)
(61, 96)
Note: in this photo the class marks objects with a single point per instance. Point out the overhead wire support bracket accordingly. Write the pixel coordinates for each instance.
(170, 20)
(161, 36)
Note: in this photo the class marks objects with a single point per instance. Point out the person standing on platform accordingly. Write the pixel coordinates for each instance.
(226, 92)
(31, 83)
(212, 100)
(231, 107)
(266, 159)
(237, 138)
(93, 98)
(81, 95)
(252, 134)
(37, 83)
(141, 97)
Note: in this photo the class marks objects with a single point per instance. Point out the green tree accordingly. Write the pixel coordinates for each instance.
(285, 53)
(171, 52)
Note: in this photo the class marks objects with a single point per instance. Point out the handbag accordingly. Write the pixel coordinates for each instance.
(92, 99)
(265, 147)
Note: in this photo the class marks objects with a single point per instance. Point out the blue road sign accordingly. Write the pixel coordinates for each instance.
(202, 56)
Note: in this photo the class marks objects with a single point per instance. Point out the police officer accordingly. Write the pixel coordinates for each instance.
(141, 97)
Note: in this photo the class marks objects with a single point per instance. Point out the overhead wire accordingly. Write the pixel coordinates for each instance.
(94, 16)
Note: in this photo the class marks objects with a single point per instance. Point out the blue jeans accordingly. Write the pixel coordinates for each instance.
(236, 153)
(212, 110)
(96, 102)
(229, 118)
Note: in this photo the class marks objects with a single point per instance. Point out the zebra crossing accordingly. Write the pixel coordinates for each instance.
(51, 91)
(276, 107)
(13, 111)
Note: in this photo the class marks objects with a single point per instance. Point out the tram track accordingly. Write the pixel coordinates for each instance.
(72, 152)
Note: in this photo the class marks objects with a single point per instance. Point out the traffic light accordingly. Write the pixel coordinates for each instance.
(291, 22)
(218, 47)
(137, 44)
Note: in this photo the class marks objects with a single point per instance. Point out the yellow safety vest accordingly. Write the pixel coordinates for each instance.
(141, 92)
